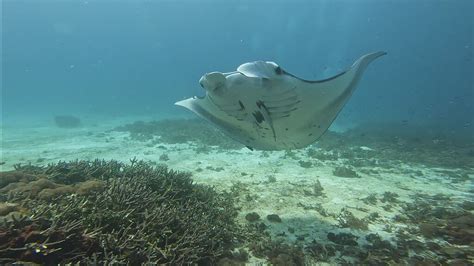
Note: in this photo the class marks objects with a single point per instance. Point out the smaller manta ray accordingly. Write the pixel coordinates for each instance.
(264, 107)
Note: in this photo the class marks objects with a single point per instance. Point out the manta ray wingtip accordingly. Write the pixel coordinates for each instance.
(184, 103)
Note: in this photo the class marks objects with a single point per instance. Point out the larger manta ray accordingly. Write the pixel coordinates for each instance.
(264, 107)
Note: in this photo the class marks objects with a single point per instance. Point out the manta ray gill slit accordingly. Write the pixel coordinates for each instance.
(266, 115)
(258, 116)
(260, 104)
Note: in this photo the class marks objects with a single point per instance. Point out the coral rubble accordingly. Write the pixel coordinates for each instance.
(342, 171)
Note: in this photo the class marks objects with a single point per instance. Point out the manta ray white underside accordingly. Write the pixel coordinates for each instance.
(267, 108)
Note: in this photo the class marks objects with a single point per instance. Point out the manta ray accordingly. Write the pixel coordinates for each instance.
(264, 107)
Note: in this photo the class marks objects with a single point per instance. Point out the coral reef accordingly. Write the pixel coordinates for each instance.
(445, 227)
(41, 241)
(348, 220)
(7, 178)
(164, 157)
(107, 212)
(322, 155)
(110, 212)
(180, 131)
(277, 253)
(316, 191)
(252, 217)
(305, 164)
(42, 187)
(274, 218)
(390, 197)
(370, 199)
(6, 208)
(342, 171)
(343, 238)
(394, 142)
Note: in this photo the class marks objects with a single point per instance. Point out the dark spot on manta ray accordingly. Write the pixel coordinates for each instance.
(310, 134)
(286, 129)
(278, 71)
(258, 116)
(261, 105)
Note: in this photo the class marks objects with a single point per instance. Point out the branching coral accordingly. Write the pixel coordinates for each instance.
(141, 214)
(41, 241)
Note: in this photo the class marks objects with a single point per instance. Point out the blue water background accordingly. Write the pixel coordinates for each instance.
(139, 57)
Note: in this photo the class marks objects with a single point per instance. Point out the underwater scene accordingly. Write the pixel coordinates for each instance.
(237, 132)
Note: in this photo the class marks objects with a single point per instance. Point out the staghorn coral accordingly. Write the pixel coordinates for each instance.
(41, 241)
(7, 178)
(139, 213)
(51, 193)
(41, 187)
(89, 186)
(6, 208)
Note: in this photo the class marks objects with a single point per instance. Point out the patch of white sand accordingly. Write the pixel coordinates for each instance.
(270, 182)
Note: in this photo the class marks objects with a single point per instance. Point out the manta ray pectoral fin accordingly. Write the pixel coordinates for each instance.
(359, 66)
(187, 103)
(205, 109)
(333, 92)
(349, 78)
(322, 100)
(260, 69)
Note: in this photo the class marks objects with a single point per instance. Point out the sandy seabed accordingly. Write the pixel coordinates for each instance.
(301, 196)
